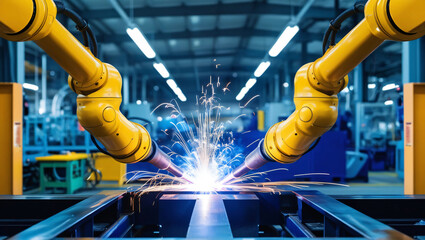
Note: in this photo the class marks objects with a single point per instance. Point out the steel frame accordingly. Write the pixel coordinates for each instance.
(290, 213)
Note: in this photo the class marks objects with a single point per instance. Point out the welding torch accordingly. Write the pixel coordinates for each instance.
(161, 160)
(254, 160)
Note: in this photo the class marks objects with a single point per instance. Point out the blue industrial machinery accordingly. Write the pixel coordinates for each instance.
(329, 162)
(227, 214)
(43, 135)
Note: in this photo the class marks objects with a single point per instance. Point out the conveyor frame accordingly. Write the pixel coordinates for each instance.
(289, 213)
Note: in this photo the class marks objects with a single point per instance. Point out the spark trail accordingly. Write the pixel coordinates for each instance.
(209, 152)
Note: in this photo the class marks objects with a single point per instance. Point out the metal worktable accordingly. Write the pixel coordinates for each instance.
(227, 214)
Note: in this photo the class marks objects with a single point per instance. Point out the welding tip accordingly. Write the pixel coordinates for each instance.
(162, 161)
(254, 160)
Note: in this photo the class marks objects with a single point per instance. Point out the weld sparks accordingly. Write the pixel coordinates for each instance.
(208, 152)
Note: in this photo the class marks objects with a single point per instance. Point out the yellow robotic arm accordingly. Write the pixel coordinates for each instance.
(98, 84)
(317, 84)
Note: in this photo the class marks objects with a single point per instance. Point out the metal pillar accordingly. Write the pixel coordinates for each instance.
(134, 88)
(144, 83)
(287, 77)
(36, 82)
(12, 60)
(43, 106)
(413, 61)
(20, 62)
(277, 87)
(126, 96)
(358, 83)
(358, 97)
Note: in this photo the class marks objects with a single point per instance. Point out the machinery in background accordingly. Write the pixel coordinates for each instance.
(45, 134)
(111, 171)
(290, 213)
(375, 128)
(67, 173)
(317, 84)
(142, 114)
(375, 131)
(97, 83)
(330, 163)
(272, 116)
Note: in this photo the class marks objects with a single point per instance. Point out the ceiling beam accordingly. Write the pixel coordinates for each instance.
(216, 9)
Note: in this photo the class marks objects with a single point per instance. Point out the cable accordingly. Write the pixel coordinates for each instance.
(82, 26)
(312, 146)
(104, 151)
(93, 170)
(93, 40)
(309, 150)
(335, 25)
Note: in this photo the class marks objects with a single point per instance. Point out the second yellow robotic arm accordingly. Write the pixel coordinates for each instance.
(317, 84)
(98, 84)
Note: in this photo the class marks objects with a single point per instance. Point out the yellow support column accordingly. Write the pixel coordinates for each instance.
(260, 120)
(11, 138)
(414, 138)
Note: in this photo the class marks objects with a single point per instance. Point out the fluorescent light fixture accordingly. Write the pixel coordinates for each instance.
(371, 85)
(389, 102)
(171, 83)
(138, 102)
(182, 97)
(242, 93)
(251, 82)
(177, 91)
(285, 84)
(161, 69)
(141, 42)
(30, 86)
(261, 68)
(389, 87)
(283, 40)
(179, 94)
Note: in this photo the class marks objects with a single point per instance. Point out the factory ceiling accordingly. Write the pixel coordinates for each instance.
(193, 36)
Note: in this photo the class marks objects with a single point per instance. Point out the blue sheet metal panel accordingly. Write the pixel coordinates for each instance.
(147, 208)
(322, 159)
(271, 206)
(243, 213)
(73, 217)
(175, 211)
(350, 219)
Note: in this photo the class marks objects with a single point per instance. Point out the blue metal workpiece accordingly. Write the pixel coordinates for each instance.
(243, 213)
(290, 213)
(209, 219)
(77, 219)
(175, 212)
